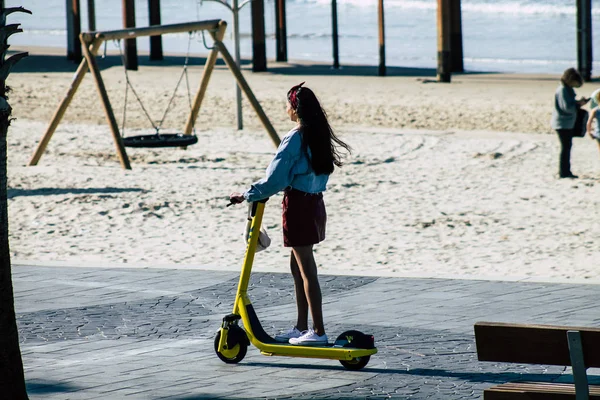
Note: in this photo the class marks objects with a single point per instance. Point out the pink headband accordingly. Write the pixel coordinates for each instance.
(292, 95)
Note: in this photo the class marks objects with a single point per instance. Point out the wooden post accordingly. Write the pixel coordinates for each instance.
(73, 30)
(259, 47)
(584, 38)
(91, 15)
(334, 34)
(280, 30)
(206, 73)
(62, 107)
(246, 89)
(131, 60)
(380, 12)
(456, 42)
(443, 28)
(110, 116)
(156, 51)
(157, 30)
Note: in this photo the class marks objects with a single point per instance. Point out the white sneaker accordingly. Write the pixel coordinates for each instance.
(285, 337)
(309, 338)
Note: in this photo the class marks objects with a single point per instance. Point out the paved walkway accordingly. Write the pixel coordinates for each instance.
(100, 333)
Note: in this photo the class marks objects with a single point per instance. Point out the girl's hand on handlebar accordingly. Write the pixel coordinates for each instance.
(236, 198)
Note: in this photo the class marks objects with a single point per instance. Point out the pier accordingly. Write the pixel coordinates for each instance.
(449, 37)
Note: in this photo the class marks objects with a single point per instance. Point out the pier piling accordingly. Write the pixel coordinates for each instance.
(156, 51)
(280, 30)
(91, 15)
(334, 35)
(131, 60)
(584, 38)
(259, 47)
(443, 28)
(73, 30)
(456, 43)
(380, 13)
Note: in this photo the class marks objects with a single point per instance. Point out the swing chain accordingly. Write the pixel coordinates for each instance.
(204, 42)
(130, 85)
(187, 82)
(158, 125)
(124, 103)
(183, 72)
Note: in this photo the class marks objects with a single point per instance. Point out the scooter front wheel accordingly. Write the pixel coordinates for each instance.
(232, 355)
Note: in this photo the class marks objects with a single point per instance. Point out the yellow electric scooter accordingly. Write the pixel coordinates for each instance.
(352, 348)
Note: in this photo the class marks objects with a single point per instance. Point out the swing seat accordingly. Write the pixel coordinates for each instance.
(160, 140)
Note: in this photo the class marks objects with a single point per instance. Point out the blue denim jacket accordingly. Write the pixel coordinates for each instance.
(290, 167)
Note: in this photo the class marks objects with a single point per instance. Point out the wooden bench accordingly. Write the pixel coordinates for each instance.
(540, 344)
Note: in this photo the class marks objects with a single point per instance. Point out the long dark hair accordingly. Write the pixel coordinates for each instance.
(317, 134)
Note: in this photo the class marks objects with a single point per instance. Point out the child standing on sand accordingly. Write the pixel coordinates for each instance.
(304, 160)
(595, 106)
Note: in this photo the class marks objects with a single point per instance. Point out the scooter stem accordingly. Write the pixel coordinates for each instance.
(256, 213)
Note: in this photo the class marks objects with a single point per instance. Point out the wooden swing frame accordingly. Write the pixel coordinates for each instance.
(91, 43)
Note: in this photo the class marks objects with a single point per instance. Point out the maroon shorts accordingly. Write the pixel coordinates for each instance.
(304, 218)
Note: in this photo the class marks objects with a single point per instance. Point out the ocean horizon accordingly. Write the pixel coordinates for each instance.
(522, 36)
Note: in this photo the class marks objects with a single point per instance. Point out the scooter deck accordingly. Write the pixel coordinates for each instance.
(328, 345)
(269, 346)
(329, 351)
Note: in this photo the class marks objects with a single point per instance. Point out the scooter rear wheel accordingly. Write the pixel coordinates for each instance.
(348, 339)
(233, 355)
(356, 364)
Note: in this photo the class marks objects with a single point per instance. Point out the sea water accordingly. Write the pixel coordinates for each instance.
(529, 36)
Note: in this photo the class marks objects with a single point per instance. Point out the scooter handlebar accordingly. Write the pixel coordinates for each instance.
(231, 203)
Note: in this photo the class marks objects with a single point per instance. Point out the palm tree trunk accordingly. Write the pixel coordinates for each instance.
(12, 378)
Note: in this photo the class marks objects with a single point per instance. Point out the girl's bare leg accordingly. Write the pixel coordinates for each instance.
(301, 302)
(308, 270)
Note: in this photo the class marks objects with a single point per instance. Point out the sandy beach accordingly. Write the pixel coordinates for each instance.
(445, 179)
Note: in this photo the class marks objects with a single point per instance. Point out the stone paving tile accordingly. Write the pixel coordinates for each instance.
(148, 334)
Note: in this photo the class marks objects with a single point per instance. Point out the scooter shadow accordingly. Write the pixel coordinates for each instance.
(494, 377)
(324, 367)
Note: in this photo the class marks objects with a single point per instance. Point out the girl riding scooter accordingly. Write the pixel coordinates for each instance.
(304, 160)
